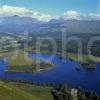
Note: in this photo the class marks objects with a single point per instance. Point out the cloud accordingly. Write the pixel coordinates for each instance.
(72, 14)
(6, 10)
(80, 16)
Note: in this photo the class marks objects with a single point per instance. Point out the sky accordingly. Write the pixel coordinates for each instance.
(54, 7)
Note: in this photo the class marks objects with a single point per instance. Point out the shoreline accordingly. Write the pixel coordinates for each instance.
(40, 70)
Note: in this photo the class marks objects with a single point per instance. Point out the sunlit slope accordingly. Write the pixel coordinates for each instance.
(9, 91)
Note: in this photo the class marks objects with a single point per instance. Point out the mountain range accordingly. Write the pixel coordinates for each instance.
(19, 24)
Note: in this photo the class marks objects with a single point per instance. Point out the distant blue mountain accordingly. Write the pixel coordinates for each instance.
(19, 24)
(18, 20)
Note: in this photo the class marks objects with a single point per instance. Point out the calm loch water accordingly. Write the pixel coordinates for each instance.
(65, 72)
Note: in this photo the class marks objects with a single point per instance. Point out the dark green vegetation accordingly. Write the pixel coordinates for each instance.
(84, 95)
(62, 92)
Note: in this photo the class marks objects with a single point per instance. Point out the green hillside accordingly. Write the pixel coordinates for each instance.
(15, 91)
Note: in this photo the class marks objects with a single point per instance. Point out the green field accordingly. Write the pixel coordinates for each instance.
(15, 91)
(20, 63)
(85, 57)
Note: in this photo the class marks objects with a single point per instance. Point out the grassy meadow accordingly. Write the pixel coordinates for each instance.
(21, 62)
(14, 91)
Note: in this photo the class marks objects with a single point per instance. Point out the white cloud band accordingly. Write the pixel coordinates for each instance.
(21, 11)
(80, 16)
(6, 10)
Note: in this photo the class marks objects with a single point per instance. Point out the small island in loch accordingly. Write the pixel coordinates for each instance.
(88, 65)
